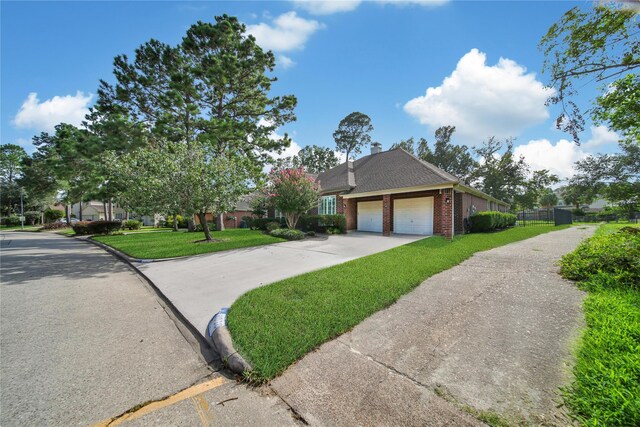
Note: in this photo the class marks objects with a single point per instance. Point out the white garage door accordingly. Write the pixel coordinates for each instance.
(413, 216)
(370, 216)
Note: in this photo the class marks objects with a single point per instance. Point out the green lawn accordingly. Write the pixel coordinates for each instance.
(275, 325)
(168, 245)
(606, 386)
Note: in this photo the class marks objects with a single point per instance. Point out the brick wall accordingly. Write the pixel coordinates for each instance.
(445, 213)
(386, 215)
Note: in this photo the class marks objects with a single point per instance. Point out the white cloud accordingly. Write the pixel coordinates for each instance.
(558, 158)
(323, 7)
(328, 7)
(480, 100)
(413, 2)
(285, 61)
(601, 135)
(44, 116)
(288, 32)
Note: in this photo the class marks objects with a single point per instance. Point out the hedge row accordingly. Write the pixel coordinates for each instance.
(83, 228)
(491, 220)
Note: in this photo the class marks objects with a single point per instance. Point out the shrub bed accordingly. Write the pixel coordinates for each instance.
(132, 224)
(288, 234)
(490, 221)
(83, 228)
(54, 226)
(322, 223)
(261, 223)
(616, 255)
(11, 221)
(606, 385)
(182, 222)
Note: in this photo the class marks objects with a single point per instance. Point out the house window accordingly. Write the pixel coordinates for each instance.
(327, 205)
(119, 216)
(278, 214)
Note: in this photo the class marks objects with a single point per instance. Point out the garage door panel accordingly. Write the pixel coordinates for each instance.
(370, 216)
(413, 216)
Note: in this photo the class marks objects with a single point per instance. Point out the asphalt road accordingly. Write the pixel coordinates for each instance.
(83, 339)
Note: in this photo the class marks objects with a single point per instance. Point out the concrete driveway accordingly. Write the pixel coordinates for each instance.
(199, 286)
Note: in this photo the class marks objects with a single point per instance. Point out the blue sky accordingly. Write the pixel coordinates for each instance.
(411, 66)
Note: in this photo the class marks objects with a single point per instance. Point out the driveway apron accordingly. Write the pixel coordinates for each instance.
(200, 286)
(493, 333)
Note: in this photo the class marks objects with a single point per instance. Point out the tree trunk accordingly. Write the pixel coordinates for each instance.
(80, 210)
(67, 212)
(104, 207)
(202, 216)
(110, 210)
(175, 222)
(220, 222)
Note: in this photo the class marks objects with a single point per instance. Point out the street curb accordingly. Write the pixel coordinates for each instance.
(187, 329)
(223, 344)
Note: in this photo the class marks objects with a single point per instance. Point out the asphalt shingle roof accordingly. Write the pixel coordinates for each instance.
(382, 171)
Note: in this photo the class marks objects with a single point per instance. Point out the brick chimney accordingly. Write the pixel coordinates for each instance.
(376, 148)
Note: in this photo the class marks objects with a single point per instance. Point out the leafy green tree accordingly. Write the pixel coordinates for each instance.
(211, 95)
(353, 133)
(455, 159)
(315, 159)
(615, 176)
(68, 158)
(578, 194)
(500, 175)
(533, 187)
(407, 145)
(597, 44)
(11, 162)
(259, 204)
(548, 198)
(12, 158)
(293, 192)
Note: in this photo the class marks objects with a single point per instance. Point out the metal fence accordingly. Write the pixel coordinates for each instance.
(556, 216)
(535, 217)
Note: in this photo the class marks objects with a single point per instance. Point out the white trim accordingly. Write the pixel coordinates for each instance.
(396, 191)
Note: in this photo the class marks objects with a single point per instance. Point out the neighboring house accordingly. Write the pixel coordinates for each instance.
(395, 192)
(94, 211)
(234, 218)
(596, 206)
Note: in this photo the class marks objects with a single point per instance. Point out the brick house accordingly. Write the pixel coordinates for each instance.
(395, 192)
(232, 219)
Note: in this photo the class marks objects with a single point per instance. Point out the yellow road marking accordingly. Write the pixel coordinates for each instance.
(202, 407)
(159, 404)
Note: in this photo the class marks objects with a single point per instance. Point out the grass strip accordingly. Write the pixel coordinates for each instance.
(168, 245)
(606, 386)
(275, 325)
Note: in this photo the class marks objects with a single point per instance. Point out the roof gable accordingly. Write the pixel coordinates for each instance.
(386, 170)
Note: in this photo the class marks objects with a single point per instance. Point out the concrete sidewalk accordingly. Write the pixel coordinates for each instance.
(199, 286)
(493, 333)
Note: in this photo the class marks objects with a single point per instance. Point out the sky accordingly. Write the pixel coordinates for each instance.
(411, 66)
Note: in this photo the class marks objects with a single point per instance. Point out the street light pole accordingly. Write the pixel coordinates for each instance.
(21, 211)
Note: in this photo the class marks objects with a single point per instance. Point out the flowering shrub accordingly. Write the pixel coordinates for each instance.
(293, 192)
